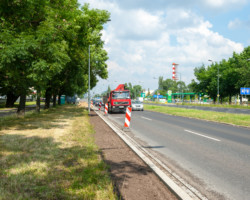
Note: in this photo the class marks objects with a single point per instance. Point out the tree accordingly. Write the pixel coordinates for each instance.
(233, 74)
(170, 84)
(44, 44)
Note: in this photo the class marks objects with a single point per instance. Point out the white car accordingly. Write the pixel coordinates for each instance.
(137, 105)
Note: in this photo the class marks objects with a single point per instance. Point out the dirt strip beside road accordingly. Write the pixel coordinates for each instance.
(131, 176)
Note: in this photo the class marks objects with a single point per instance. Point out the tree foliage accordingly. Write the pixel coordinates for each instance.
(44, 44)
(233, 73)
(135, 91)
(169, 84)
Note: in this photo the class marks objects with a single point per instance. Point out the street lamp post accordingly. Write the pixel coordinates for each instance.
(218, 81)
(89, 84)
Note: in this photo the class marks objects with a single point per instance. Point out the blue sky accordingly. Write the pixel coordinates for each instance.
(145, 37)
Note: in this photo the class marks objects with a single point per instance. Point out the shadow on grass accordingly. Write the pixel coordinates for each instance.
(38, 168)
(46, 119)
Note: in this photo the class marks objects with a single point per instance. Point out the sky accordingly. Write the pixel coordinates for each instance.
(144, 37)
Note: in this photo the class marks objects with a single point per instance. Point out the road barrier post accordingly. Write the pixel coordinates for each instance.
(106, 109)
(128, 117)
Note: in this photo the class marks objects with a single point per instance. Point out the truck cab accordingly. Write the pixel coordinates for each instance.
(118, 100)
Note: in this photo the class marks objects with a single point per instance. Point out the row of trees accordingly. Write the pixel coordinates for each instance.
(135, 91)
(44, 45)
(174, 86)
(234, 73)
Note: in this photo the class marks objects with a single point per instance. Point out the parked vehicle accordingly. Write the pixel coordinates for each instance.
(137, 105)
(118, 100)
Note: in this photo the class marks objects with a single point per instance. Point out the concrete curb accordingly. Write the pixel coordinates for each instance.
(168, 181)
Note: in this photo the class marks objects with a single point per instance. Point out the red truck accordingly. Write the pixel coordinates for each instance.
(118, 100)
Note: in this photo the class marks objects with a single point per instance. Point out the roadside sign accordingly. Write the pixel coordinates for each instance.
(158, 96)
(169, 96)
(143, 94)
(169, 92)
(245, 91)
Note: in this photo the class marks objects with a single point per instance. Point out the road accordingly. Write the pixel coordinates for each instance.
(213, 157)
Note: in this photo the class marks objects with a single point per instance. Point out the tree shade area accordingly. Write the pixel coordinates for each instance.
(44, 45)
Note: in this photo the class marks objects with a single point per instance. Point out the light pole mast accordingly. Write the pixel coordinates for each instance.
(89, 84)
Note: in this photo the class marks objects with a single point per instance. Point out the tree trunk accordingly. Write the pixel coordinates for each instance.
(54, 100)
(230, 99)
(240, 99)
(47, 98)
(11, 99)
(214, 99)
(59, 99)
(38, 101)
(21, 106)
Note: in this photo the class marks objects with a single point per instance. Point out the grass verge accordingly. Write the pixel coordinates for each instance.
(243, 106)
(235, 119)
(52, 155)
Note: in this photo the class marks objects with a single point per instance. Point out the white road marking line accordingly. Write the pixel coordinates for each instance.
(146, 118)
(203, 135)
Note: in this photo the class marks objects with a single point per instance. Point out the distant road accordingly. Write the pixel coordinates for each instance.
(215, 109)
(213, 157)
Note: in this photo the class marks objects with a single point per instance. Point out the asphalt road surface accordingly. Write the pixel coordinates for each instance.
(213, 157)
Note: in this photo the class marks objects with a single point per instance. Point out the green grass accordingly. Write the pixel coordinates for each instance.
(235, 119)
(52, 155)
(244, 106)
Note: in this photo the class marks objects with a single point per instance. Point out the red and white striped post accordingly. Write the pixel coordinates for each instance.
(91, 104)
(174, 71)
(106, 109)
(128, 117)
(100, 105)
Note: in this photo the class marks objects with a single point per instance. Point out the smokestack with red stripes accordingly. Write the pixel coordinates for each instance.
(174, 71)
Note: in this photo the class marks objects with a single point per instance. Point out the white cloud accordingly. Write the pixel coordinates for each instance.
(143, 43)
(114, 66)
(222, 4)
(237, 23)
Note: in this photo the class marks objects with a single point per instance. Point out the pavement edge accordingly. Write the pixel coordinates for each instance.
(168, 181)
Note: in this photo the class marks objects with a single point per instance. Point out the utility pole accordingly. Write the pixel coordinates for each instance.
(89, 84)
